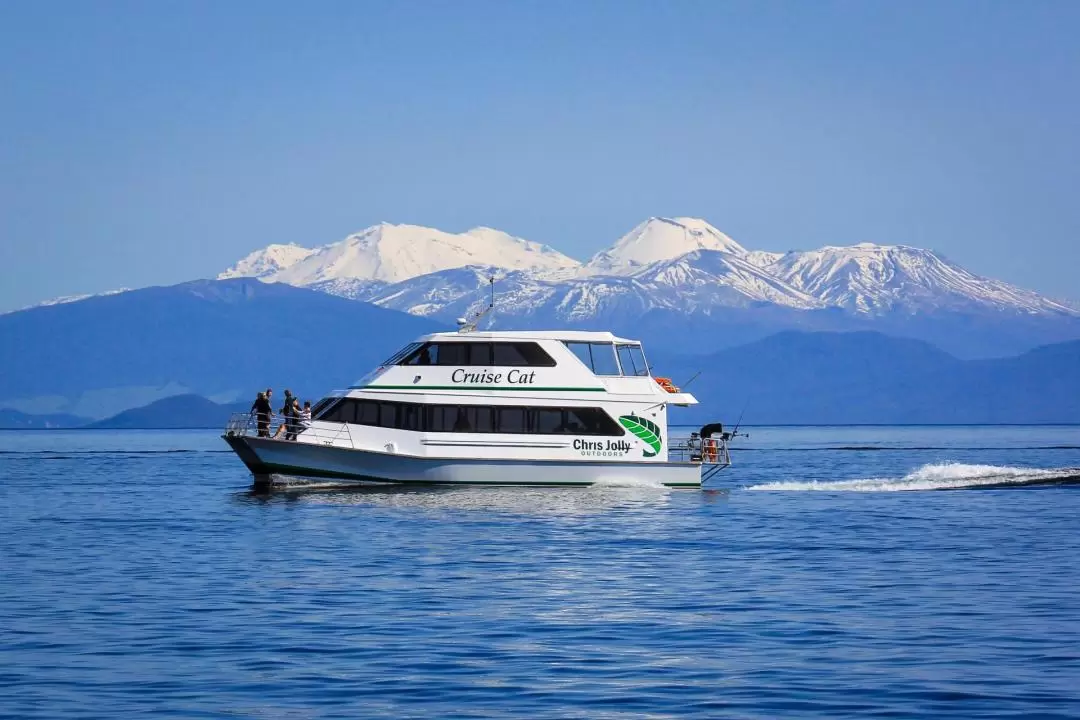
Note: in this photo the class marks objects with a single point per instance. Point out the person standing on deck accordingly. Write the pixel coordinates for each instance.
(262, 410)
(293, 420)
(286, 413)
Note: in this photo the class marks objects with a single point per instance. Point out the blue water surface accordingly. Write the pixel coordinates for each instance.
(138, 574)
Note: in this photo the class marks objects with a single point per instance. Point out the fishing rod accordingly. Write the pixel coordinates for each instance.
(692, 379)
(738, 423)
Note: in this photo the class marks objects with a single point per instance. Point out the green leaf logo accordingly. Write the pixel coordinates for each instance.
(644, 429)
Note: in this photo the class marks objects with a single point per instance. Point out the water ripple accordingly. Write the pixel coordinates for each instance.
(156, 583)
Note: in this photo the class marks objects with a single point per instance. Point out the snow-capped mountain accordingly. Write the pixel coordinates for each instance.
(656, 240)
(761, 258)
(267, 262)
(721, 278)
(392, 253)
(876, 279)
(703, 281)
(683, 275)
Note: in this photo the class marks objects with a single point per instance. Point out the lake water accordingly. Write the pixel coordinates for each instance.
(139, 575)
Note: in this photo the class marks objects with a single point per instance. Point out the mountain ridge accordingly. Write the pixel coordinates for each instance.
(392, 253)
(215, 338)
(863, 279)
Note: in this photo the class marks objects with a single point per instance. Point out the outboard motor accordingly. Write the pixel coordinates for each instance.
(713, 429)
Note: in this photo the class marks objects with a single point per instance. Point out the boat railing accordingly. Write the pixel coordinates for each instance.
(696, 449)
(320, 432)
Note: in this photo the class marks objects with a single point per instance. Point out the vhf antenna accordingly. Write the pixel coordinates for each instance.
(466, 325)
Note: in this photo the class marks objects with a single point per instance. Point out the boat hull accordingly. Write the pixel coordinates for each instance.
(267, 456)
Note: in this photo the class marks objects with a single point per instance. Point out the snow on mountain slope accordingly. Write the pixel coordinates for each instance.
(267, 262)
(702, 281)
(726, 279)
(673, 264)
(762, 258)
(658, 239)
(876, 279)
(393, 253)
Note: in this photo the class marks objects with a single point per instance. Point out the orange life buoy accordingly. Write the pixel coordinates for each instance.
(666, 384)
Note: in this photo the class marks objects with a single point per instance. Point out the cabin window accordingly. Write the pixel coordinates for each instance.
(477, 354)
(582, 352)
(450, 353)
(403, 352)
(547, 421)
(632, 360)
(481, 418)
(439, 418)
(365, 413)
(388, 415)
(474, 418)
(322, 405)
(521, 354)
(410, 416)
(461, 421)
(590, 421)
(511, 420)
(598, 357)
(604, 361)
(422, 355)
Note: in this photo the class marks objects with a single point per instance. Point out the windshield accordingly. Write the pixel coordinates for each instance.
(402, 353)
(598, 357)
(632, 360)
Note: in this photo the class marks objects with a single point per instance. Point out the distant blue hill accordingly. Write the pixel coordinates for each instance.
(216, 338)
(226, 339)
(869, 378)
(810, 378)
(13, 419)
(178, 412)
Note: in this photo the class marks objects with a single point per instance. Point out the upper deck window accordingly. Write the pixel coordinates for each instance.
(473, 418)
(396, 357)
(598, 357)
(478, 354)
(632, 360)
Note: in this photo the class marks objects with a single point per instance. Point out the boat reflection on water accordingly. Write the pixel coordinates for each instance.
(598, 498)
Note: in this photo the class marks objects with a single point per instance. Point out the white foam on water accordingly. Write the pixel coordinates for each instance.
(629, 481)
(935, 476)
(290, 482)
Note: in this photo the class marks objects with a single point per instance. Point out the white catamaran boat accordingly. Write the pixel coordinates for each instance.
(495, 408)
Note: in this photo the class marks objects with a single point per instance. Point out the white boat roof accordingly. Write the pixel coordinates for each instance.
(568, 335)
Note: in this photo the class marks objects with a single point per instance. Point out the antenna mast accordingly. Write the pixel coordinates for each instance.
(466, 325)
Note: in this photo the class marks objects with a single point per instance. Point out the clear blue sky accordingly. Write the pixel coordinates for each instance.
(154, 142)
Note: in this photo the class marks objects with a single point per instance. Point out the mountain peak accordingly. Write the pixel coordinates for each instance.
(392, 253)
(658, 239)
(873, 279)
(268, 261)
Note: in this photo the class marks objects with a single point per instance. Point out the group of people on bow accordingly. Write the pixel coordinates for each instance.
(294, 418)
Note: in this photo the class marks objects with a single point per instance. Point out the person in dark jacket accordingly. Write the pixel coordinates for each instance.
(286, 413)
(294, 426)
(262, 410)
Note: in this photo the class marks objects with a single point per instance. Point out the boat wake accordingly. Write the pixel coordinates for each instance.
(629, 482)
(939, 476)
